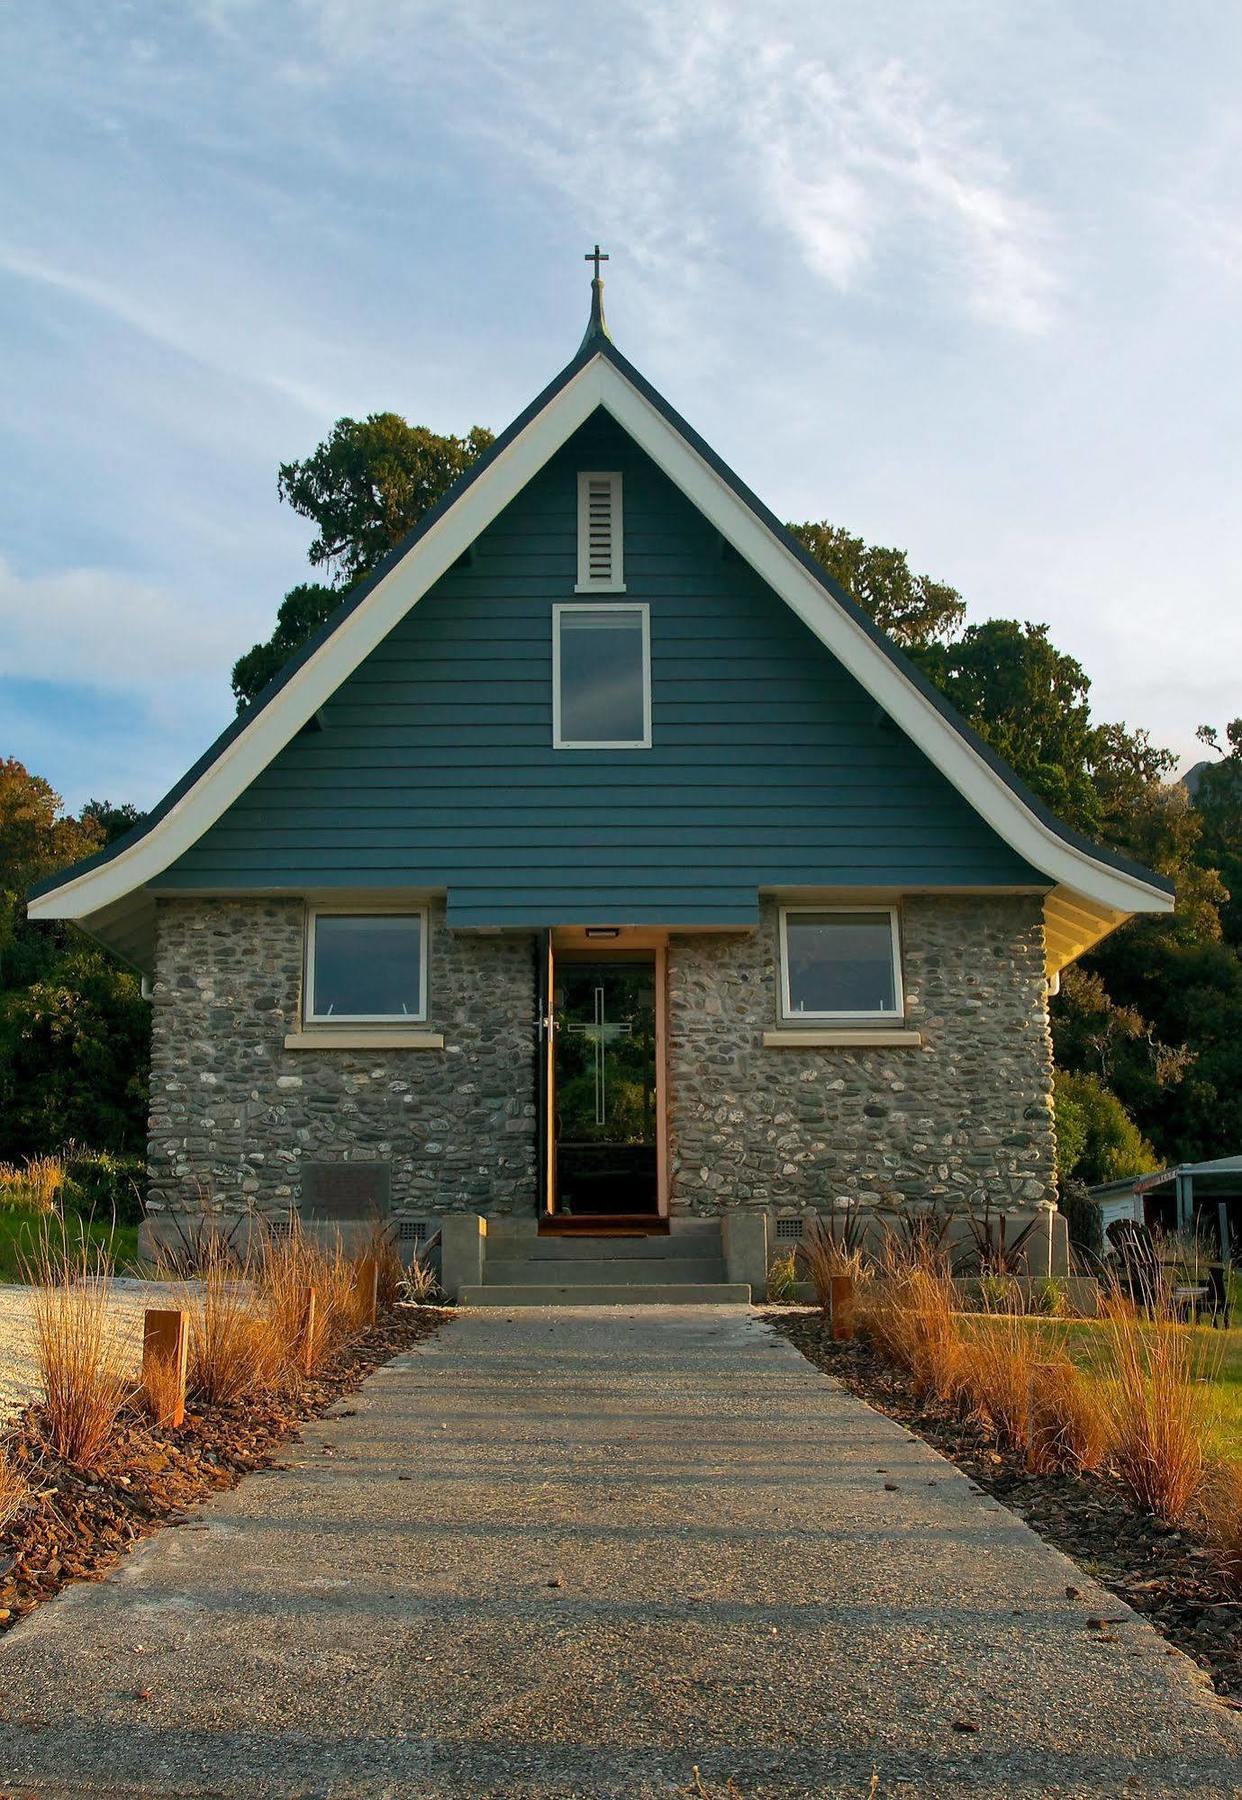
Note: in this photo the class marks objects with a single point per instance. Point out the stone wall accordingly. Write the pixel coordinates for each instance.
(234, 1115)
(964, 1119)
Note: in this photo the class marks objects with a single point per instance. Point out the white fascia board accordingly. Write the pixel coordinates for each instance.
(242, 761)
(978, 783)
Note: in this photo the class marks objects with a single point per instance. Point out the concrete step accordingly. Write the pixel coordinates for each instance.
(606, 1271)
(649, 1293)
(695, 1241)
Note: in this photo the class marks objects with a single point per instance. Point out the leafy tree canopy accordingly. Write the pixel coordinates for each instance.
(1097, 1140)
(364, 488)
(913, 609)
(74, 1030)
(370, 483)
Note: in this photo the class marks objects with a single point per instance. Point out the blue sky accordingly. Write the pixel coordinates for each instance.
(964, 278)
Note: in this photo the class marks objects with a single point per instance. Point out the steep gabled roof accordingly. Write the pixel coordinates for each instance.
(1094, 889)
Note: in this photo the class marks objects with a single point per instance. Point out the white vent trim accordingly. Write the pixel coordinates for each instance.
(601, 533)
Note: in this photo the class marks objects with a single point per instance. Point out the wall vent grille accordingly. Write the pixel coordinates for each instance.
(600, 561)
(410, 1231)
(789, 1228)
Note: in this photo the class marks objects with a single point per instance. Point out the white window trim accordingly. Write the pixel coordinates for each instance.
(328, 1021)
(615, 583)
(579, 606)
(870, 1018)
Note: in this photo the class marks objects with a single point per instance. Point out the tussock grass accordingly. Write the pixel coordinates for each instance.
(380, 1245)
(829, 1249)
(231, 1341)
(35, 1185)
(1160, 1404)
(1068, 1422)
(14, 1492)
(1222, 1513)
(76, 1351)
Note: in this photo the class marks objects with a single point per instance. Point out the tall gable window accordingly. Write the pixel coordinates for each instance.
(601, 563)
(366, 967)
(601, 677)
(840, 963)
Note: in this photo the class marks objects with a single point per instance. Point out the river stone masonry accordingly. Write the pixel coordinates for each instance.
(963, 1121)
(234, 1115)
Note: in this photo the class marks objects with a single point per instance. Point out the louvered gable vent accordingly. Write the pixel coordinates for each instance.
(600, 564)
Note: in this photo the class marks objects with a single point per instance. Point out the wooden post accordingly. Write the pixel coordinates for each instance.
(366, 1285)
(841, 1301)
(308, 1333)
(165, 1355)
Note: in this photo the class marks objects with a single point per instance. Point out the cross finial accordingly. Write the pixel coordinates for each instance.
(596, 327)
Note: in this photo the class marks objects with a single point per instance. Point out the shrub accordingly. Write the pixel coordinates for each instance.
(103, 1186)
(1048, 1296)
(1160, 1404)
(782, 1278)
(1082, 1219)
(75, 1350)
(419, 1286)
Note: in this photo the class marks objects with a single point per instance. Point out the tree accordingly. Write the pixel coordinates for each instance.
(36, 838)
(74, 1030)
(1218, 805)
(364, 488)
(370, 483)
(913, 609)
(1097, 1140)
(299, 616)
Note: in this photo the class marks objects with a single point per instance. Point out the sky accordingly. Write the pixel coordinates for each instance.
(964, 278)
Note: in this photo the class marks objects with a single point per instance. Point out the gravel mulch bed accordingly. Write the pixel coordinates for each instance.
(1159, 1571)
(81, 1522)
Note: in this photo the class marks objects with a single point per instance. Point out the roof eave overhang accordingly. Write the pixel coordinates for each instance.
(1091, 896)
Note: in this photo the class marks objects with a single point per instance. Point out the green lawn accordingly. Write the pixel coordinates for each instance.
(21, 1231)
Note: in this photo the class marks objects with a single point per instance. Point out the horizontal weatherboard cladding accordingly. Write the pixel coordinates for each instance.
(770, 766)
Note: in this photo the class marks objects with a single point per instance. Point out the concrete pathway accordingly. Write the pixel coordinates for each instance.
(578, 1553)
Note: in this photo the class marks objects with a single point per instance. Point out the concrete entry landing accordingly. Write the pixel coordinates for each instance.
(577, 1553)
(683, 1262)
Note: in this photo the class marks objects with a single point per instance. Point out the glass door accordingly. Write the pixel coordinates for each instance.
(605, 1094)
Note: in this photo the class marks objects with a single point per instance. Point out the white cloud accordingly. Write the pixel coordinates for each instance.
(97, 629)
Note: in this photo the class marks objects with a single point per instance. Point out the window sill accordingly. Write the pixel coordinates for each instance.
(356, 1037)
(843, 1037)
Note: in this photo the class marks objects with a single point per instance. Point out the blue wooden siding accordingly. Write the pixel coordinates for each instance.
(770, 766)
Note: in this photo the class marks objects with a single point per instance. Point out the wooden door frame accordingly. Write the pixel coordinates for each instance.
(575, 938)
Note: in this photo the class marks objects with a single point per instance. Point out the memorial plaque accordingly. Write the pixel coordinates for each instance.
(341, 1190)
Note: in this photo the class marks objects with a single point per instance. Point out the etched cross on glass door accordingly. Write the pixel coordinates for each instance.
(600, 1035)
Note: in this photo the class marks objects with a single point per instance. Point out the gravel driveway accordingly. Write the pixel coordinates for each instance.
(581, 1553)
(19, 1382)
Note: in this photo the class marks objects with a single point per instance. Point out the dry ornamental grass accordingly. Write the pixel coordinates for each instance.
(76, 1351)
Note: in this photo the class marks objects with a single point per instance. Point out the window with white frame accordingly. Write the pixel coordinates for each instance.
(601, 677)
(366, 967)
(601, 548)
(840, 962)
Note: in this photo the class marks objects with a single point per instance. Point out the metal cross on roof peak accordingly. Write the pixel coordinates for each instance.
(596, 256)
